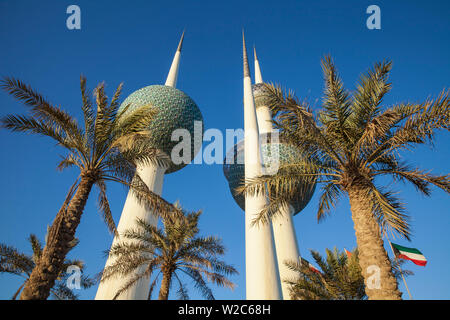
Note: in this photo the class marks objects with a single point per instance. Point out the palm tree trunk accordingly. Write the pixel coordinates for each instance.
(165, 286)
(59, 243)
(380, 283)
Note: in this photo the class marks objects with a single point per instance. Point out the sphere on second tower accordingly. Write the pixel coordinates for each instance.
(261, 95)
(175, 110)
(234, 169)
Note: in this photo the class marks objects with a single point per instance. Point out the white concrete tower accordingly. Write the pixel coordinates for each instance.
(283, 227)
(261, 269)
(163, 98)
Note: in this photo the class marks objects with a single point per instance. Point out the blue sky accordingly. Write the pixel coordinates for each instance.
(134, 42)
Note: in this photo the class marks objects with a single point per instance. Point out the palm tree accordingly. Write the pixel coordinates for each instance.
(174, 250)
(350, 142)
(339, 277)
(14, 262)
(106, 149)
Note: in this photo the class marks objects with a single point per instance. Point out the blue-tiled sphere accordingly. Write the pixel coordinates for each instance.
(234, 170)
(176, 110)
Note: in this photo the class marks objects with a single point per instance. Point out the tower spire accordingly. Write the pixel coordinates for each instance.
(245, 59)
(258, 75)
(180, 44)
(172, 77)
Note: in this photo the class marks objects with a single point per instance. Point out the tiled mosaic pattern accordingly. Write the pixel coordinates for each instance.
(261, 95)
(176, 110)
(235, 172)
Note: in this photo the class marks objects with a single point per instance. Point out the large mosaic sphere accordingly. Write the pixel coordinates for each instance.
(176, 110)
(261, 95)
(234, 169)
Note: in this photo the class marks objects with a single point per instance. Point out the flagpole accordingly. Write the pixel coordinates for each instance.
(399, 268)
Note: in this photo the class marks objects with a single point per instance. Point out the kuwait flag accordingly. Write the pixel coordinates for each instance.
(311, 267)
(349, 254)
(409, 254)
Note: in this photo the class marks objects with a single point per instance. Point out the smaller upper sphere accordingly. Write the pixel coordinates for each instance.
(234, 169)
(176, 110)
(261, 95)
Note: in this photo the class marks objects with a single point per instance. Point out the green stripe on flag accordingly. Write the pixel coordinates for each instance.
(401, 248)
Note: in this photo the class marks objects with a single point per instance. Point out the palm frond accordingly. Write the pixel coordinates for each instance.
(40, 108)
(151, 200)
(419, 178)
(14, 262)
(61, 292)
(340, 278)
(104, 207)
(36, 246)
(115, 104)
(26, 124)
(136, 120)
(199, 282)
(369, 94)
(153, 286)
(69, 161)
(16, 294)
(182, 289)
(336, 104)
(418, 128)
(376, 129)
(389, 211)
(88, 114)
(331, 192)
(132, 281)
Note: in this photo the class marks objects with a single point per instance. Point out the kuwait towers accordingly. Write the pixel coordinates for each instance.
(269, 245)
(175, 110)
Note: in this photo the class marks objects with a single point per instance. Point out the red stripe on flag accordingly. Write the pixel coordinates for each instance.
(418, 262)
(313, 269)
(349, 254)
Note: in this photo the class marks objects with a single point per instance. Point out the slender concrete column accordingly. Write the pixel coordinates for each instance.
(283, 226)
(153, 176)
(286, 246)
(262, 276)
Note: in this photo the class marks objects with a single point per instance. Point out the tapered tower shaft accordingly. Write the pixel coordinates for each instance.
(172, 77)
(153, 177)
(262, 276)
(263, 113)
(283, 227)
